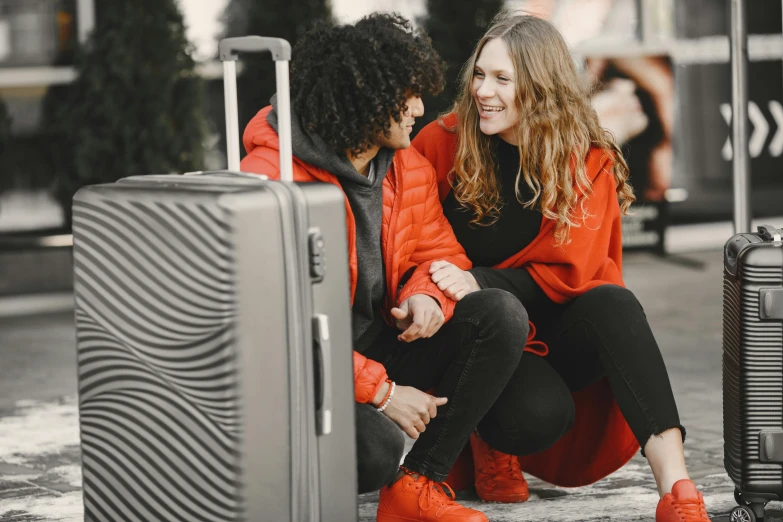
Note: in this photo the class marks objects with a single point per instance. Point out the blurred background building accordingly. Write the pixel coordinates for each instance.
(659, 69)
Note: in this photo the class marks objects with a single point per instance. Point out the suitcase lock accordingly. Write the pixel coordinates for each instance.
(317, 254)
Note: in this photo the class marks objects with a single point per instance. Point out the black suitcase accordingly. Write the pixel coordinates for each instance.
(214, 343)
(753, 369)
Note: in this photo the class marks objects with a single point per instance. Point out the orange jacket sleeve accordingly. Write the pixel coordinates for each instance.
(368, 377)
(437, 242)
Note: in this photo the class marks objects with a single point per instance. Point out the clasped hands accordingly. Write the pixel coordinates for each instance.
(418, 317)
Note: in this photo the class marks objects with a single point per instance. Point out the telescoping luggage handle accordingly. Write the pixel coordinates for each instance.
(229, 49)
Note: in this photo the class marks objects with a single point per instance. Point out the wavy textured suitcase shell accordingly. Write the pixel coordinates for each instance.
(154, 314)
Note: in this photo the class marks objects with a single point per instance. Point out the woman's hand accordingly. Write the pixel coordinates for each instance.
(452, 280)
(412, 409)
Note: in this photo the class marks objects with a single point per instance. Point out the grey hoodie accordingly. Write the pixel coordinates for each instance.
(366, 199)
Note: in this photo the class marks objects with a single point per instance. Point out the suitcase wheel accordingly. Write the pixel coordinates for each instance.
(743, 514)
(747, 511)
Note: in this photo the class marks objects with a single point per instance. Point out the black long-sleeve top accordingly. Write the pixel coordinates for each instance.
(515, 228)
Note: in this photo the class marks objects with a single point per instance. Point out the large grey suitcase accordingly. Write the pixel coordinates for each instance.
(753, 369)
(214, 342)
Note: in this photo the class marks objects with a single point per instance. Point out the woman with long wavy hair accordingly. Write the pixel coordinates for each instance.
(534, 189)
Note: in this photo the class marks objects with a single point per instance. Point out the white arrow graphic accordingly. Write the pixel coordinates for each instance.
(776, 147)
(726, 152)
(760, 130)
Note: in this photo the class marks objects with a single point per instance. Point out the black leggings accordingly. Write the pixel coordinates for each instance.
(603, 332)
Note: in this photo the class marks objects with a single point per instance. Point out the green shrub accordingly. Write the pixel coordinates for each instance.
(136, 106)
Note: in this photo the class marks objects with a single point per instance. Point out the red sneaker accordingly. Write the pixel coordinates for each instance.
(421, 499)
(498, 475)
(684, 504)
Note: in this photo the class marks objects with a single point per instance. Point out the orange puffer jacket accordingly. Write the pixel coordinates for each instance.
(414, 232)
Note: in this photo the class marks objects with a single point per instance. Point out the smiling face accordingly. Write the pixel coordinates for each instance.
(400, 133)
(495, 92)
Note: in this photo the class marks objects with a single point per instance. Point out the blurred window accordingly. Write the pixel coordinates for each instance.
(37, 32)
(25, 161)
(25, 108)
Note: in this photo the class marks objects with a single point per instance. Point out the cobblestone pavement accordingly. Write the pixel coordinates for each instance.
(39, 458)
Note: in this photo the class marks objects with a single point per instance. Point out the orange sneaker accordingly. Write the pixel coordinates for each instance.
(498, 476)
(684, 504)
(421, 499)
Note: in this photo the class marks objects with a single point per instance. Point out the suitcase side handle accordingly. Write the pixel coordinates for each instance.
(323, 368)
(281, 53)
(769, 233)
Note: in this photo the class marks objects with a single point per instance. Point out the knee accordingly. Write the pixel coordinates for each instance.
(379, 448)
(378, 467)
(497, 311)
(610, 297)
(548, 422)
(535, 427)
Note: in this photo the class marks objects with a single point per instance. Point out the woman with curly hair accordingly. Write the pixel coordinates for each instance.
(355, 92)
(534, 189)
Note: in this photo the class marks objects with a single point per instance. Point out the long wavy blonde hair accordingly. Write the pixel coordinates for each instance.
(556, 130)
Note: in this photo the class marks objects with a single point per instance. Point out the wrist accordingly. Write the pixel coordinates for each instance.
(474, 286)
(387, 399)
(381, 395)
(420, 295)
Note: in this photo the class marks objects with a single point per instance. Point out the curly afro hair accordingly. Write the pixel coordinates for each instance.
(349, 81)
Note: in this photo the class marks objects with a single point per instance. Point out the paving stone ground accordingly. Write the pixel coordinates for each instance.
(39, 455)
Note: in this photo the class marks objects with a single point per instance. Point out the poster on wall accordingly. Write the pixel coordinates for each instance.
(634, 99)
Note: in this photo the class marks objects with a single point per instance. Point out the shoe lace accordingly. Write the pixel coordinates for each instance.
(434, 493)
(498, 463)
(691, 510)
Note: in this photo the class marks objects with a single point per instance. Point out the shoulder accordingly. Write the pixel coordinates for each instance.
(599, 164)
(261, 160)
(437, 134)
(603, 183)
(438, 143)
(413, 162)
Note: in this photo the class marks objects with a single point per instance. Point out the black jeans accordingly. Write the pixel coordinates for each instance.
(470, 360)
(603, 332)
(379, 447)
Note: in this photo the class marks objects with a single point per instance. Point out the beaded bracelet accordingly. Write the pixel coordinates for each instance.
(388, 392)
(388, 400)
